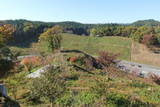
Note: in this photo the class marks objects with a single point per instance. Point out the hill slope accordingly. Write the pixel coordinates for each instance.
(149, 22)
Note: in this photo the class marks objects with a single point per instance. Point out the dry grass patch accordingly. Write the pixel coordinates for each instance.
(140, 53)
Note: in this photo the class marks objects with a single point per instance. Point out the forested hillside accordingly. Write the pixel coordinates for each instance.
(28, 31)
(149, 22)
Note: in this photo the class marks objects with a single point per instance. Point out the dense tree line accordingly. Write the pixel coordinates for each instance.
(26, 32)
(138, 33)
(29, 31)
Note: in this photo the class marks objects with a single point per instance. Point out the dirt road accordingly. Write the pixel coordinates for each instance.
(140, 69)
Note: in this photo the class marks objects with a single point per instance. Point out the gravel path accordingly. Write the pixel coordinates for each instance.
(141, 69)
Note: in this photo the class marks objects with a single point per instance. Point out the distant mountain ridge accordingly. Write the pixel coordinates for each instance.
(148, 22)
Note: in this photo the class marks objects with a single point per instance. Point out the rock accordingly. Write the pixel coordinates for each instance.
(38, 73)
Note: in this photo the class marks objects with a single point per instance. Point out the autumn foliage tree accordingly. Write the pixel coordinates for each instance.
(53, 37)
(149, 40)
(6, 32)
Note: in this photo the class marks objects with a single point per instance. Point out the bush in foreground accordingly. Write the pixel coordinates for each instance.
(49, 86)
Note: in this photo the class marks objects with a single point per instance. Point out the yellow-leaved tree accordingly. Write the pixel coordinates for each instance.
(53, 37)
(6, 32)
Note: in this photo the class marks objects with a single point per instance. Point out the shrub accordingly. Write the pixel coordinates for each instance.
(81, 99)
(117, 100)
(5, 59)
(49, 86)
(155, 78)
(122, 100)
(11, 103)
(5, 65)
(65, 101)
(85, 99)
(135, 101)
(158, 38)
(100, 87)
(17, 68)
(15, 81)
(71, 75)
(139, 84)
(113, 73)
(150, 95)
(137, 37)
(106, 59)
(149, 40)
(89, 63)
(31, 62)
(86, 61)
(53, 38)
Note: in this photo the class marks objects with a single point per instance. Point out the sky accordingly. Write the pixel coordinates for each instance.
(84, 11)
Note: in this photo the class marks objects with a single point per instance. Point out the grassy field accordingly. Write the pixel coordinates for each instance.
(90, 45)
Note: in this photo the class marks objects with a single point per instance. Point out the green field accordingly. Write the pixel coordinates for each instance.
(92, 45)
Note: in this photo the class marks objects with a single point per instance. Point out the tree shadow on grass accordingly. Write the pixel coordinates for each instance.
(75, 51)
